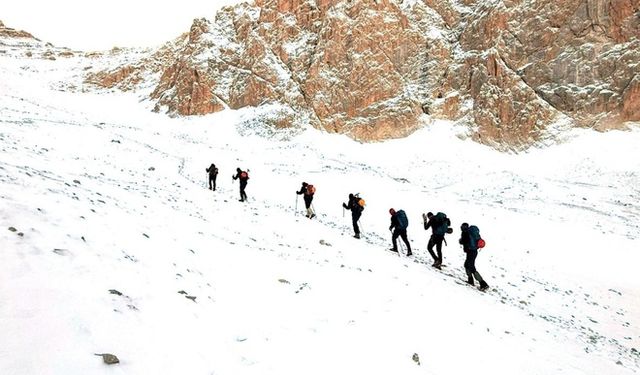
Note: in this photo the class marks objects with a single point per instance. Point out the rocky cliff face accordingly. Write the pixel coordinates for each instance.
(510, 69)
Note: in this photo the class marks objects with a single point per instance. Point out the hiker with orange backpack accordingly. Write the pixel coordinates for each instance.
(471, 241)
(399, 224)
(356, 205)
(244, 178)
(308, 191)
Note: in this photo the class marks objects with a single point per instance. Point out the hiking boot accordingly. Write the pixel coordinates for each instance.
(357, 235)
(470, 281)
(394, 250)
(483, 286)
(312, 216)
(240, 200)
(409, 253)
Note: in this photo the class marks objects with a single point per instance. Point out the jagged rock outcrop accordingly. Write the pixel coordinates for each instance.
(7, 32)
(23, 44)
(375, 69)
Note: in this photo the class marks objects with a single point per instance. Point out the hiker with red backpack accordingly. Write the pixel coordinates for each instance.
(471, 241)
(355, 205)
(213, 174)
(439, 225)
(244, 178)
(308, 191)
(399, 224)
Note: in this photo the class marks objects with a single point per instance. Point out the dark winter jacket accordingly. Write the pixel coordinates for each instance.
(213, 171)
(434, 224)
(242, 180)
(430, 224)
(304, 190)
(353, 205)
(394, 221)
(465, 241)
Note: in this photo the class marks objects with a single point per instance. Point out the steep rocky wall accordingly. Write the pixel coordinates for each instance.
(374, 69)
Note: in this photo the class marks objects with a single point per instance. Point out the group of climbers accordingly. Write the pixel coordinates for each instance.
(243, 176)
(439, 223)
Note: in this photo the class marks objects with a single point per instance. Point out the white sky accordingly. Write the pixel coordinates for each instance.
(89, 25)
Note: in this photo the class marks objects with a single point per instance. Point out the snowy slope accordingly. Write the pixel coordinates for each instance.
(104, 195)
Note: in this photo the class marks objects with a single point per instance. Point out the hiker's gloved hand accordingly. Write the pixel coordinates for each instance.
(391, 227)
(344, 205)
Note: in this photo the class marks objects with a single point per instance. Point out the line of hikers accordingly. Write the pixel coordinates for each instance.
(243, 176)
(439, 223)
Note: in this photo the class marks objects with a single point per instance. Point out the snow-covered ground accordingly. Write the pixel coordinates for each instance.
(105, 195)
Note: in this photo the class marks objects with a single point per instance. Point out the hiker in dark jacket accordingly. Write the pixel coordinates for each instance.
(244, 177)
(356, 212)
(437, 236)
(471, 249)
(399, 230)
(308, 191)
(213, 173)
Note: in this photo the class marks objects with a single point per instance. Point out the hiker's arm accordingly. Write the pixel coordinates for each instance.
(427, 224)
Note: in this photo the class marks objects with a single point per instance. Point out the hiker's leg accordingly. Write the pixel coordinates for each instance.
(243, 195)
(468, 269)
(354, 220)
(403, 234)
(430, 248)
(471, 260)
(439, 249)
(307, 201)
(394, 238)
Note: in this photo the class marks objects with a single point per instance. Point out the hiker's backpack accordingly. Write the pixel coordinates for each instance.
(311, 189)
(475, 241)
(360, 201)
(403, 222)
(244, 175)
(441, 224)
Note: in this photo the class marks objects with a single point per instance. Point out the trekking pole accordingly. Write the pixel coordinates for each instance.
(296, 212)
(401, 252)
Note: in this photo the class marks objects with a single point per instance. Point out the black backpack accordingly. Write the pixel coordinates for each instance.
(441, 224)
(403, 222)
